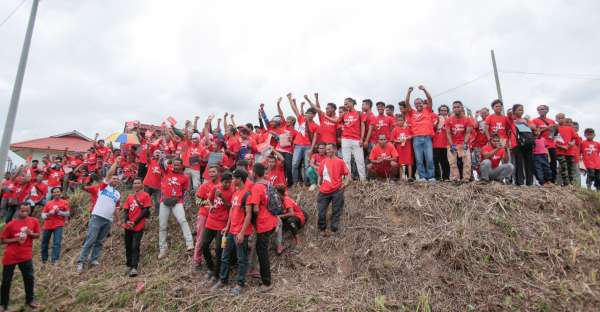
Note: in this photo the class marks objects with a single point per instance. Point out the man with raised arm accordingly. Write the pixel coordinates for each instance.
(422, 121)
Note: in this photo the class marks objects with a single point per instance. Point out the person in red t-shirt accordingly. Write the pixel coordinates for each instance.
(174, 185)
(440, 145)
(493, 155)
(548, 128)
(333, 180)
(401, 136)
(590, 152)
(275, 173)
(380, 124)
(315, 161)
(18, 235)
(135, 211)
(458, 131)
(479, 138)
(265, 223)
(54, 214)
(294, 217)
(383, 160)
(353, 130)
(305, 139)
(153, 176)
(38, 192)
(202, 199)
(218, 213)
(422, 121)
(328, 121)
(238, 230)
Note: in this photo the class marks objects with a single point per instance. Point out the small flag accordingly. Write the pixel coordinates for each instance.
(29, 158)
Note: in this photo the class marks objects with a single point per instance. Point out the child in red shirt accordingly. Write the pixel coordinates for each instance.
(135, 211)
(18, 235)
(590, 152)
(315, 161)
(401, 136)
(294, 217)
(54, 214)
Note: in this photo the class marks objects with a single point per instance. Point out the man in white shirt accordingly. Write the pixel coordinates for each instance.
(102, 218)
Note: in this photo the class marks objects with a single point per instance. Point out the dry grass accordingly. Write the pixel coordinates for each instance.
(403, 247)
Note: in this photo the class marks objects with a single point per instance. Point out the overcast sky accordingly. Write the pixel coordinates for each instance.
(97, 63)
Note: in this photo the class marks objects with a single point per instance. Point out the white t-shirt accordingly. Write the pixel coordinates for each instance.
(108, 201)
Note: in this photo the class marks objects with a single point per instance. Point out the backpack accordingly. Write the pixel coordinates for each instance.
(275, 204)
(525, 136)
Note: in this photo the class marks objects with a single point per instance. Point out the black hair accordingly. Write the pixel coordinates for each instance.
(240, 173)
(332, 105)
(390, 107)
(444, 106)
(280, 189)
(249, 126)
(56, 187)
(369, 102)
(514, 108)
(457, 102)
(588, 130)
(353, 101)
(402, 104)
(312, 111)
(226, 176)
(380, 103)
(496, 101)
(259, 170)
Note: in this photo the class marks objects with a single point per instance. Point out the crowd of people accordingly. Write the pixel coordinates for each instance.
(235, 177)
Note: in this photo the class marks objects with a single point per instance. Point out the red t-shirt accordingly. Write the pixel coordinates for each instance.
(16, 252)
(301, 137)
(332, 170)
(590, 150)
(498, 124)
(458, 128)
(565, 135)
(480, 139)
(141, 154)
(134, 203)
(351, 125)
(8, 189)
(388, 150)
(540, 124)
(174, 185)
(103, 151)
(265, 221)
(238, 212)
(194, 151)
(277, 175)
(38, 191)
(317, 158)
(290, 203)
(55, 177)
(153, 175)
(422, 123)
(22, 191)
(93, 191)
(91, 159)
(284, 144)
(204, 192)
(217, 217)
(496, 158)
(55, 221)
(327, 130)
(382, 124)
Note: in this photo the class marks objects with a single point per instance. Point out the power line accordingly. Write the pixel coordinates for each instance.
(557, 75)
(12, 13)
(462, 84)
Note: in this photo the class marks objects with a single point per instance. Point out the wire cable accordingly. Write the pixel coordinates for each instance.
(462, 84)
(557, 75)
(12, 13)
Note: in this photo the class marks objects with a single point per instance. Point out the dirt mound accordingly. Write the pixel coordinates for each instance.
(433, 247)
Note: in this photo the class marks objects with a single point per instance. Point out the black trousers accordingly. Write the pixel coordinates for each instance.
(133, 241)
(287, 168)
(553, 163)
(207, 238)
(8, 271)
(523, 157)
(262, 251)
(593, 178)
(441, 164)
(337, 205)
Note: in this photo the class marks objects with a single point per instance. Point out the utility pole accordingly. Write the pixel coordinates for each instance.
(14, 101)
(496, 76)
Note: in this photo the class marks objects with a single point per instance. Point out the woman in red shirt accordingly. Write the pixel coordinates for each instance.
(54, 214)
(440, 146)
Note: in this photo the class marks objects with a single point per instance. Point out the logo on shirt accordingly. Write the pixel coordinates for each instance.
(591, 149)
(110, 194)
(326, 176)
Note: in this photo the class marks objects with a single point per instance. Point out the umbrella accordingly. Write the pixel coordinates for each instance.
(123, 138)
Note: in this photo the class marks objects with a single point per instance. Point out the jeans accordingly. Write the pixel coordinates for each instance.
(56, 235)
(567, 169)
(542, 168)
(262, 251)
(337, 205)
(441, 164)
(133, 240)
(155, 193)
(496, 174)
(523, 159)
(163, 220)
(242, 255)
(466, 165)
(424, 156)
(352, 148)
(287, 168)
(26, 268)
(209, 236)
(311, 175)
(98, 228)
(194, 176)
(299, 158)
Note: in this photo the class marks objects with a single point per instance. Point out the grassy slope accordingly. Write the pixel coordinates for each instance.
(403, 247)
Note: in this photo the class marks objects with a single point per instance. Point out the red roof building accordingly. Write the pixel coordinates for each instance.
(53, 145)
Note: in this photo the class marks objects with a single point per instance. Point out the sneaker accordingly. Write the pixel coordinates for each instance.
(432, 180)
(162, 254)
(311, 188)
(217, 285)
(236, 291)
(264, 289)
(94, 263)
(421, 180)
(133, 272)
(127, 270)
(209, 276)
(79, 267)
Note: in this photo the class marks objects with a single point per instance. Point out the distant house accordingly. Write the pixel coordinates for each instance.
(75, 141)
